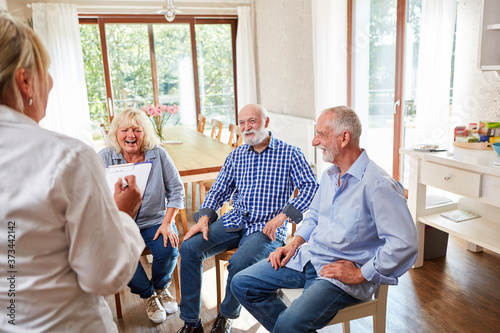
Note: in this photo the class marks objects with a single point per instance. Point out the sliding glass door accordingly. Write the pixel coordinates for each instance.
(374, 58)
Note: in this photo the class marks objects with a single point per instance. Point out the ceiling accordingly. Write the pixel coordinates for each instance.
(220, 7)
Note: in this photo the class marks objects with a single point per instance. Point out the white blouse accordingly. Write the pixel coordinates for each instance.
(63, 243)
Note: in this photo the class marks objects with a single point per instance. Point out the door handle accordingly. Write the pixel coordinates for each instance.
(396, 104)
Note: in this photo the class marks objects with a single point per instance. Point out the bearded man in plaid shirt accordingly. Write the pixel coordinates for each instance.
(259, 177)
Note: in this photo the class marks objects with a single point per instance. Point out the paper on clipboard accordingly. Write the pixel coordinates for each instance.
(139, 170)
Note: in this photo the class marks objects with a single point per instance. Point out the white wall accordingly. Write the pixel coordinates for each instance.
(285, 83)
(476, 93)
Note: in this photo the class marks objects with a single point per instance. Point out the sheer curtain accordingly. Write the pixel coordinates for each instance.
(330, 57)
(434, 71)
(245, 58)
(67, 109)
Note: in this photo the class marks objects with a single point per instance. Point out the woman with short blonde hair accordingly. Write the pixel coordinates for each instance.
(132, 139)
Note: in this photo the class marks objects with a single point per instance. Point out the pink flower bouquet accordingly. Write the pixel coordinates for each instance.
(159, 116)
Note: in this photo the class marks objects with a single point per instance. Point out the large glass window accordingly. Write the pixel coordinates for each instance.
(94, 74)
(215, 71)
(149, 61)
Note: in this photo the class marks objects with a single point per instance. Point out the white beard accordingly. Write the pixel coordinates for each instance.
(260, 135)
(327, 155)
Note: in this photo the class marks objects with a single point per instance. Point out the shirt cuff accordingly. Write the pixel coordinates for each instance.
(212, 215)
(293, 213)
(179, 203)
(370, 274)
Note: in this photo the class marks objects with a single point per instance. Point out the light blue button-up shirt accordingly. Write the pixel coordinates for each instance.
(365, 220)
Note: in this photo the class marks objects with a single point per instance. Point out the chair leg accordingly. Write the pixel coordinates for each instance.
(219, 274)
(193, 195)
(184, 221)
(379, 323)
(118, 304)
(177, 282)
(203, 193)
(346, 327)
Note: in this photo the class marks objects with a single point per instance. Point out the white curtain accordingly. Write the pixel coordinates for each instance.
(3, 6)
(67, 109)
(329, 19)
(245, 58)
(434, 72)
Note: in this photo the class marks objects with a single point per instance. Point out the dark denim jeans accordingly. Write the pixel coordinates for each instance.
(164, 261)
(195, 250)
(255, 288)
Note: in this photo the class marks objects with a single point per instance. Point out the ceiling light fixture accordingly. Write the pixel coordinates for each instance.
(169, 10)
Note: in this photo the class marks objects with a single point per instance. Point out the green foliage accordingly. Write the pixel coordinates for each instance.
(94, 74)
(215, 61)
(130, 64)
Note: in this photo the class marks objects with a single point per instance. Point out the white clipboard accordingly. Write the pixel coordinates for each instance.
(139, 170)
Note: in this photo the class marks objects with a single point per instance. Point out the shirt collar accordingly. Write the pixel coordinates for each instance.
(356, 170)
(273, 143)
(12, 116)
(149, 155)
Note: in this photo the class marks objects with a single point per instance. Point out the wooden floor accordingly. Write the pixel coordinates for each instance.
(456, 293)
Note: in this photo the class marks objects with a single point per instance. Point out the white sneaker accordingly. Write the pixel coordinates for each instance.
(154, 309)
(169, 303)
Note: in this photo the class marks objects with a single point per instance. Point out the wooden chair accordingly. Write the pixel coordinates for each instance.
(216, 129)
(201, 123)
(104, 132)
(201, 128)
(176, 277)
(376, 307)
(215, 134)
(221, 261)
(235, 138)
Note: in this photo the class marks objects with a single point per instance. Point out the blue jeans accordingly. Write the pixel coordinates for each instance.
(164, 261)
(195, 250)
(255, 288)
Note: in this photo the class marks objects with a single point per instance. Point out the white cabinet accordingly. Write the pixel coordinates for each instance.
(489, 46)
(468, 173)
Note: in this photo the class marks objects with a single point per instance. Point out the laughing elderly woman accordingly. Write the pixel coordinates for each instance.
(132, 139)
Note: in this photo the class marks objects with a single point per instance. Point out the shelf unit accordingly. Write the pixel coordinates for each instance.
(489, 40)
(468, 173)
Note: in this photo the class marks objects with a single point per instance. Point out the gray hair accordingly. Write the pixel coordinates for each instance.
(132, 117)
(345, 119)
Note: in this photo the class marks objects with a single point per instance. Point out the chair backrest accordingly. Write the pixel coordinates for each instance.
(216, 129)
(201, 123)
(104, 132)
(235, 139)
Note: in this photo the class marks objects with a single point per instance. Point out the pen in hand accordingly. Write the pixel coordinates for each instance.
(124, 183)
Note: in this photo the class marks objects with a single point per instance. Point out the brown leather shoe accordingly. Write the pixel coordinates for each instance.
(190, 329)
(221, 325)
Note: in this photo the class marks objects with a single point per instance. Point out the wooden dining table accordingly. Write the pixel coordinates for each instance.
(196, 156)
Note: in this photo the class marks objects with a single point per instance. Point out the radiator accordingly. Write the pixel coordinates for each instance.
(296, 131)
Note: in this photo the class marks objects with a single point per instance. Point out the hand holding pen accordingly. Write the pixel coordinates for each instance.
(127, 195)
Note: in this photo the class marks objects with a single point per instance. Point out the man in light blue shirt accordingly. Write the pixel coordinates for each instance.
(357, 235)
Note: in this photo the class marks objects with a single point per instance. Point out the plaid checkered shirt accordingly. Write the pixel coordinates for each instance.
(260, 186)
